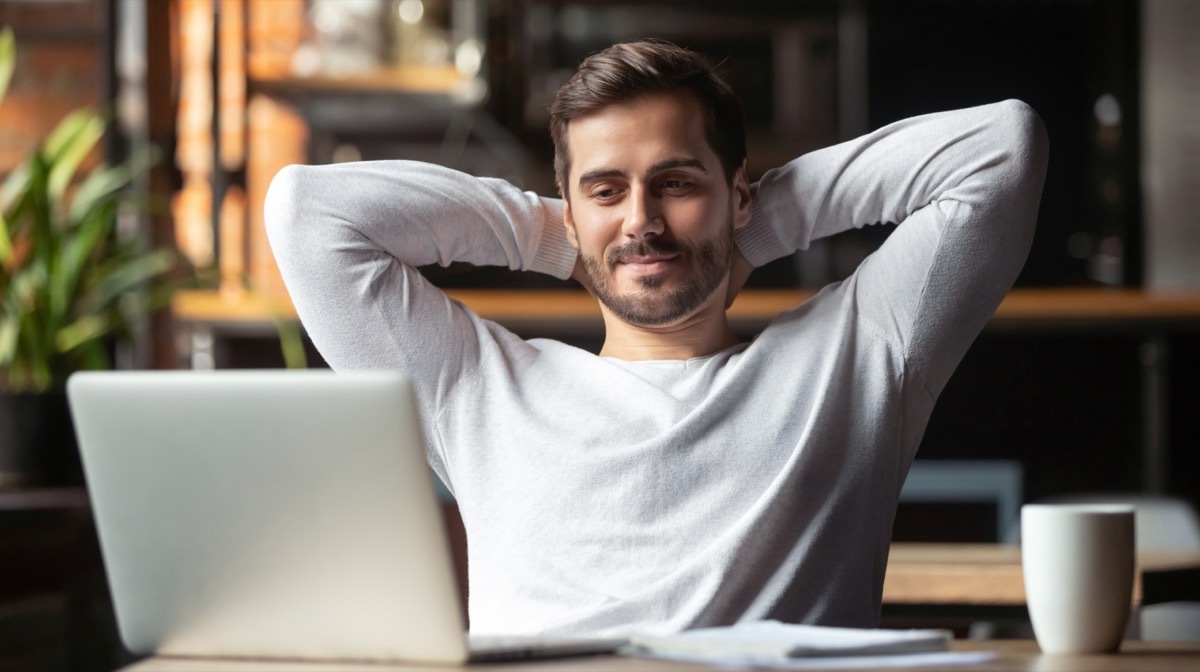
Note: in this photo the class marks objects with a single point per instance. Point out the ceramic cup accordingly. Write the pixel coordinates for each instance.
(1078, 561)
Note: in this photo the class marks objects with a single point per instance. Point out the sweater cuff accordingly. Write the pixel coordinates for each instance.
(554, 255)
(757, 240)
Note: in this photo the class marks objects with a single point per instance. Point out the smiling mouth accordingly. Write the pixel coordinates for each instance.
(647, 265)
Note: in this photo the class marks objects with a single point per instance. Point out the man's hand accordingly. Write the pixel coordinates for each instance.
(739, 272)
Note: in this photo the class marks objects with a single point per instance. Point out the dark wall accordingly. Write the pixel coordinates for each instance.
(1067, 404)
(1060, 56)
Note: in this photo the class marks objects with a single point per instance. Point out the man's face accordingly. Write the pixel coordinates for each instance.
(650, 210)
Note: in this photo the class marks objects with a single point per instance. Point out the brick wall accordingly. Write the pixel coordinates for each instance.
(60, 67)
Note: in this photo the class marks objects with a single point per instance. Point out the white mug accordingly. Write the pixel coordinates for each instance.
(1078, 561)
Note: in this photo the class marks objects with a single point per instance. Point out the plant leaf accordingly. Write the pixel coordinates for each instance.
(35, 200)
(291, 345)
(135, 306)
(32, 360)
(8, 59)
(24, 305)
(126, 275)
(92, 355)
(104, 182)
(5, 242)
(85, 332)
(87, 241)
(9, 329)
(14, 187)
(68, 133)
(66, 146)
(81, 331)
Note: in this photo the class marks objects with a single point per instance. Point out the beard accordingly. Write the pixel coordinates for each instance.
(653, 304)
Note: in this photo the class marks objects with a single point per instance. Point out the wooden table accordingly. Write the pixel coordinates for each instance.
(990, 574)
(1011, 656)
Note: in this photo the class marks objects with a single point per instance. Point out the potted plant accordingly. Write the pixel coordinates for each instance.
(69, 285)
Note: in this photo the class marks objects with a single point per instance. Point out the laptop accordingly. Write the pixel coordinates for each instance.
(274, 514)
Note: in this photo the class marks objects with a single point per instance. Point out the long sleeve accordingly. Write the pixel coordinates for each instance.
(348, 238)
(964, 187)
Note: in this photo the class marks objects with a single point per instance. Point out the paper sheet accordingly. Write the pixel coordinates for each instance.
(842, 662)
(774, 640)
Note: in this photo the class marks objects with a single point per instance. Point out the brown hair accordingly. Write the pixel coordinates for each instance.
(627, 71)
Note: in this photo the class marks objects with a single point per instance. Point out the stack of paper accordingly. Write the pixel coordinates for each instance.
(770, 643)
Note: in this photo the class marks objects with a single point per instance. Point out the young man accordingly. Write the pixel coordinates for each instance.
(680, 479)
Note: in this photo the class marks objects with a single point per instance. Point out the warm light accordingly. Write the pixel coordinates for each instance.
(468, 58)
(411, 11)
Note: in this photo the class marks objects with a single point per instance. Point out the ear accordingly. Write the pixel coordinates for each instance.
(569, 223)
(742, 201)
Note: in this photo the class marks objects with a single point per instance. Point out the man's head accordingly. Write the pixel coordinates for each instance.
(650, 152)
(627, 71)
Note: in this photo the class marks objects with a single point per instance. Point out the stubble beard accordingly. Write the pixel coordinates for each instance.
(652, 306)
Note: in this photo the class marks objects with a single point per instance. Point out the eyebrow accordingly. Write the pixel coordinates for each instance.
(666, 164)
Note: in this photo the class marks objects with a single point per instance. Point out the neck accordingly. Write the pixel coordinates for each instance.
(702, 333)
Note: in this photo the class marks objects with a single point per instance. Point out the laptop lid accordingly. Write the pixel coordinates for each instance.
(273, 514)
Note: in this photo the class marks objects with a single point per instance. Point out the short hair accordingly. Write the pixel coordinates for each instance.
(624, 72)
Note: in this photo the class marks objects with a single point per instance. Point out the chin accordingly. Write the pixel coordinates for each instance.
(663, 299)
(656, 307)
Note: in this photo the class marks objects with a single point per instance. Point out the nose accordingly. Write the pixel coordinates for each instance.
(644, 218)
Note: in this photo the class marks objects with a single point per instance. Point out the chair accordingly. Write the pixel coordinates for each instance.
(997, 482)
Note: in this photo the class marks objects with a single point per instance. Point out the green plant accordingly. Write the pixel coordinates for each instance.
(69, 283)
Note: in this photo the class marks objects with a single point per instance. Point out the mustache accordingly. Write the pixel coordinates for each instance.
(648, 248)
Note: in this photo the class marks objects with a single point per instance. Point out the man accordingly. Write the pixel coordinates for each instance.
(679, 479)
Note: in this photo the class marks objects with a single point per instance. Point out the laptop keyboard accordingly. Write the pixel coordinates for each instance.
(507, 648)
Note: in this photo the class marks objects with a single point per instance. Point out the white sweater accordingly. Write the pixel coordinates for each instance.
(602, 496)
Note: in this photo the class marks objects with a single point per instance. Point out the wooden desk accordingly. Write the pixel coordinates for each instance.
(990, 574)
(1011, 656)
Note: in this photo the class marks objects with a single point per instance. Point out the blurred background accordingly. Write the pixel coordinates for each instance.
(230, 91)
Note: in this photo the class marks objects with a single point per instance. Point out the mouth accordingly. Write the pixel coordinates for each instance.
(648, 264)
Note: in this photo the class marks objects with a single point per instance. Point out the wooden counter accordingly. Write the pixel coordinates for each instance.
(990, 574)
(572, 310)
(417, 80)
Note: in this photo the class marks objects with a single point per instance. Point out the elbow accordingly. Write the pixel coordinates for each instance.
(1030, 141)
(284, 205)
(1025, 169)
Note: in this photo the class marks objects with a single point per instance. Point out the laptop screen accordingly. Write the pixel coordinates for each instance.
(278, 514)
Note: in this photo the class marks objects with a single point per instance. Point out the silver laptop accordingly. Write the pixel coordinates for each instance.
(274, 514)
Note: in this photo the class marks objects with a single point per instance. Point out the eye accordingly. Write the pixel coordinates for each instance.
(604, 194)
(675, 185)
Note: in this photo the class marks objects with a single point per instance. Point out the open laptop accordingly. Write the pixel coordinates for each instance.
(274, 514)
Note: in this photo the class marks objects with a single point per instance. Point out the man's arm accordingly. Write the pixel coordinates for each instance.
(964, 187)
(347, 238)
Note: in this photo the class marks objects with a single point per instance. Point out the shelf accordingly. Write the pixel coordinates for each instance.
(1097, 307)
(414, 80)
(576, 311)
